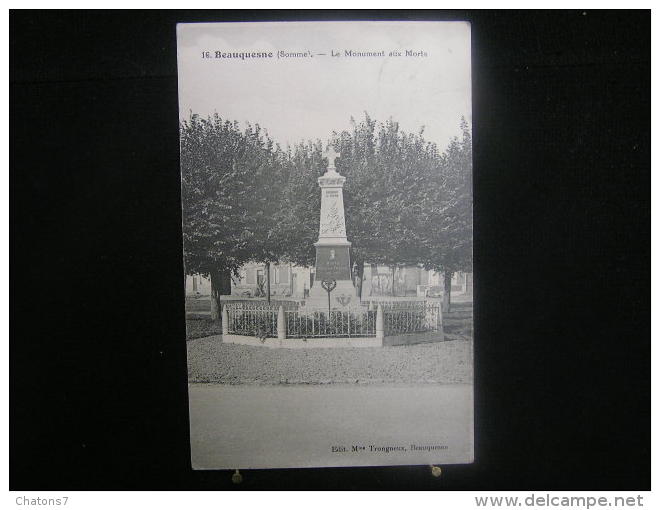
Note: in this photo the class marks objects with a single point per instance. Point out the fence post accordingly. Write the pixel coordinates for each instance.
(225, 321)
(281, 327)
(380, 330)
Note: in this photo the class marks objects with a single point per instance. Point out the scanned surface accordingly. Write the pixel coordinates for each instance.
(327, 221)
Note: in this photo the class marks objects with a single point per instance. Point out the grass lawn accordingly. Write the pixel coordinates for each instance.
(199, 328)
(198, 304)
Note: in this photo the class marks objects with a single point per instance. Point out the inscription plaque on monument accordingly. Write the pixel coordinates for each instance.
(333, 263)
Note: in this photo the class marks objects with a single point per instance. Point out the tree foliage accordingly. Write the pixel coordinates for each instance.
(390, 175)
(228, 217)
(298, 221)
(245, 199)
(446, 236)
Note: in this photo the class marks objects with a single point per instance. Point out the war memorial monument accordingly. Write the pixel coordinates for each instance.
(333, 259)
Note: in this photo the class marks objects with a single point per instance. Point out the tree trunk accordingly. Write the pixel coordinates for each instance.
(393, 270)
(360, 278)
(220, 285)
(268, 282)
(215, 306)
(446, 295)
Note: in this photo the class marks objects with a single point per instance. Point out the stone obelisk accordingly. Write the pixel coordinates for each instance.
(333, 260)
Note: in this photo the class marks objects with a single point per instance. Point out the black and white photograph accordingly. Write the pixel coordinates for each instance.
(326, 176)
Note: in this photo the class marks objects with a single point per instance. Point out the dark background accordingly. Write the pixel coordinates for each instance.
(562, 255)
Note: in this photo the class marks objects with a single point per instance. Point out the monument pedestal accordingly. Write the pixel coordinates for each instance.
(342, 297)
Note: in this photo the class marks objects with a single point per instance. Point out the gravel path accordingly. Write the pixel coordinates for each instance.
(210, 360)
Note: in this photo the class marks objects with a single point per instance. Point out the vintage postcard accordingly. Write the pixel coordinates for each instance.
(326, 173)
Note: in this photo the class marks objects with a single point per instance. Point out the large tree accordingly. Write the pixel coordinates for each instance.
(390, 174)
(447, 235)
(227, 207)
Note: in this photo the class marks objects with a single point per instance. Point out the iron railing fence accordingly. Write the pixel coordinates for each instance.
(397, 305)
(420, 319)
(261, 320)
(247, 304)
(252, 320)
(338, 324)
